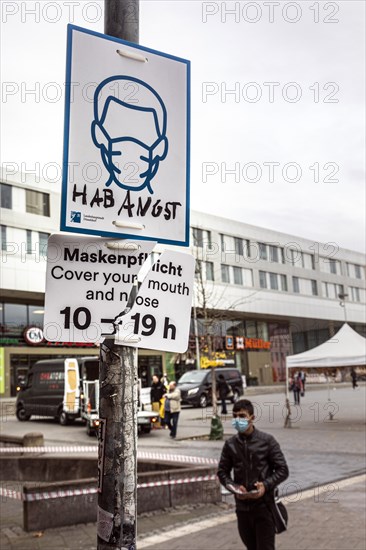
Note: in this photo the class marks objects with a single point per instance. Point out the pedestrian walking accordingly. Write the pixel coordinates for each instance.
(173, 398)
(223, 389)
(162, 414)
(296, 387)
(166, 413)
(354, 379)
(258, 467)
(302, 375)
(157, 391)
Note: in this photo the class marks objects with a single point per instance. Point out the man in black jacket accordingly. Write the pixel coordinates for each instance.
(258, 466)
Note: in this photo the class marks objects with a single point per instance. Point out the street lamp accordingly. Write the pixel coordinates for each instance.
(342, 297)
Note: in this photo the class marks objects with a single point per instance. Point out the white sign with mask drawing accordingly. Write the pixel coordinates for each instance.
(126, 142)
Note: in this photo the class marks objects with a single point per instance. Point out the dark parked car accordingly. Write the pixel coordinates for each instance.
(195, 385)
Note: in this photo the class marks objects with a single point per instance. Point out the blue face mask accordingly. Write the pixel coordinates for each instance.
(240, 424)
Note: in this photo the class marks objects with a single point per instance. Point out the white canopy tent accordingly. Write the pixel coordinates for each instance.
(346, 348)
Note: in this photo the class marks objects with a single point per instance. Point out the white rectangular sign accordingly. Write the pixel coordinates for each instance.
(88, 284)
(161, 314)
(126, 141)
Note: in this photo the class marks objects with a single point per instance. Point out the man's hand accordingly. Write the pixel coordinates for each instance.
(245, 494)
(261, 490)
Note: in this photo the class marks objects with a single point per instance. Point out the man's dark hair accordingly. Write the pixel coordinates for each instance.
(244, 404)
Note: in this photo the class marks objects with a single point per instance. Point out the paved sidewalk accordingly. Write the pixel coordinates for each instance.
(331, 518)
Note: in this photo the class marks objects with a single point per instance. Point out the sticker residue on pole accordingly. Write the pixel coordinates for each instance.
(105, 524)
(101, 451)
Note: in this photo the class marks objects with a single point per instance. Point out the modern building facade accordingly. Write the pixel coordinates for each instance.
(260, 295)
(273, 294)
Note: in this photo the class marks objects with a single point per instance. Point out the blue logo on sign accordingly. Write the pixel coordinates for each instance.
(75, 217)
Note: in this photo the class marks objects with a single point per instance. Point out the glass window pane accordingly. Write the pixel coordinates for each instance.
(333, 266)
(239, 248)
(295, 284)
(225, 274)
(37, 203)
(3, 238)
(197, 236)
(314, 288)
(283, 259)
(210, 271)
(273, 253)
(6, 196)
(29, 241)
(248, 277)
(284, 282)
(15, 318)
(238, 276)
(262, 251)
(273, 280)
(43, 240)
(262, 328)
(250, 329)
(357, 294)
(35, 316)
(332, 291)
(262, 279)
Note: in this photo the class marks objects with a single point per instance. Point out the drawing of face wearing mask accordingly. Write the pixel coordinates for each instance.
(129, 129)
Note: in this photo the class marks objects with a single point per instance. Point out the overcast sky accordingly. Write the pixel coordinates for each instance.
(297, 70)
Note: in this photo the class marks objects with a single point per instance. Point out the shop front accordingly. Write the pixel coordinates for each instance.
(256, 347)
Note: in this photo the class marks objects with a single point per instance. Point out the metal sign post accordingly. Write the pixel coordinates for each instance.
(125, 176)
(117, 500)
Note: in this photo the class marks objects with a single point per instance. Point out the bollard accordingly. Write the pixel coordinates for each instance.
(33, 439)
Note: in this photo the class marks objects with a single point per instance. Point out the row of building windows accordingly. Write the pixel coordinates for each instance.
(222, 328)
(276, 281)
(35, 243)
(15, 317)
(291, 254)
(36, 202)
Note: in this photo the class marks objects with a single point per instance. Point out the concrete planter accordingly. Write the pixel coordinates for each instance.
(67, 490)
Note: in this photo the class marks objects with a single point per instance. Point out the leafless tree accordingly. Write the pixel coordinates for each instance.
(211, 308)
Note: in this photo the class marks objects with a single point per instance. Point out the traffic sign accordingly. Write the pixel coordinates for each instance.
(88, 284)
(126, 140)
(160, 317)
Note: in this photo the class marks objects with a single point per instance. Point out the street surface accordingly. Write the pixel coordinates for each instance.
(320, 452)
(317, 449)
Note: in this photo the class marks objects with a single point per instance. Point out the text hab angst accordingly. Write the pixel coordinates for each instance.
(139, 208)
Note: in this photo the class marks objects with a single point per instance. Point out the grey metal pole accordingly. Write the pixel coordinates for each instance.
(117, 497)
(121, 19)
(195, 324)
